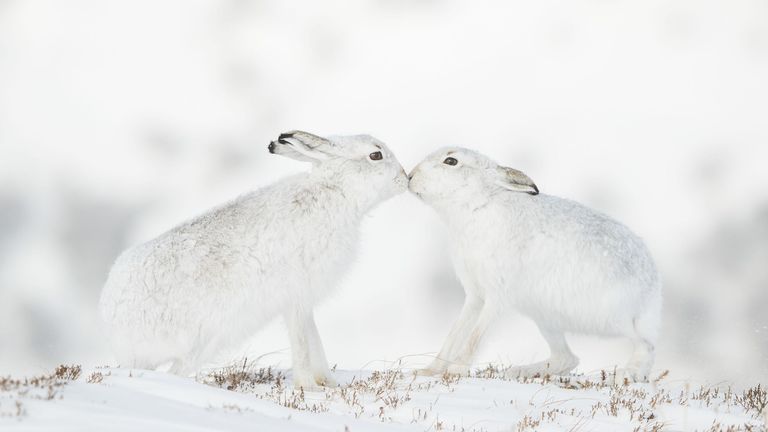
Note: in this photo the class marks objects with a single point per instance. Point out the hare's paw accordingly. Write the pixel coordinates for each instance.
(313, 381)
(527, 371)
(305, 381)
(540, 369)
(325, 379)
(429, 372)
(439, 367)
(458, 369)
(455, 370)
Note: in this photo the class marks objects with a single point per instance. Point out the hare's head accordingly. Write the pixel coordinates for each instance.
(462, 175)
(360, 162)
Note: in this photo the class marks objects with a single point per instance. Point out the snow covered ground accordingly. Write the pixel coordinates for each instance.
(262, 399)
(119, 119)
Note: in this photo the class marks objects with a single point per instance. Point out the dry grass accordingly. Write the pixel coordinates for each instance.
(395, 395)
(264, 383)
(41, 387)
(753, 400)
(68, 372)
(244, 377)
(95, 378)
(59, 378)
(382, 393)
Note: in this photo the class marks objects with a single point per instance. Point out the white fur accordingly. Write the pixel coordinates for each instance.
(213, 281)
(569, 268)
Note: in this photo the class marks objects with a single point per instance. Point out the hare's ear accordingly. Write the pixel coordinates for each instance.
(514, 180)
(302, 146)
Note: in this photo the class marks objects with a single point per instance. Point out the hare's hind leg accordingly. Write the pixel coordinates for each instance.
(561, 360)
(643, 331)
(644, 335)
(639, 365)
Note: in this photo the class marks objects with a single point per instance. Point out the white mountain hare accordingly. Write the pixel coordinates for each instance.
(569, 268)
(212, 282)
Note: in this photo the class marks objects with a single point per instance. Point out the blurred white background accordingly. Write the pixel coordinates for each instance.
(120, 119)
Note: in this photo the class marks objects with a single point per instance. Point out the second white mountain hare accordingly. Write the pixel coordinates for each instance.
(569, 268)
(215, 280)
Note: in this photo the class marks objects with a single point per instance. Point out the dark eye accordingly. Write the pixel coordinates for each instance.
(375, 156)
(450, 161)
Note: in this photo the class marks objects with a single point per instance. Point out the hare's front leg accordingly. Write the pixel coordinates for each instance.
(310, 369)
(463, 339)
(318, 363)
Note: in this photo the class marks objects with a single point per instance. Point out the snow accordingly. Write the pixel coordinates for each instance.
(250, 398)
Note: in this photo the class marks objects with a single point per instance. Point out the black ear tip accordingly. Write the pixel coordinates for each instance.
(284, 136)
(271, 147)
(535, 190)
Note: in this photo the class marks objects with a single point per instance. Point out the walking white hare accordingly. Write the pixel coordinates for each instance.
(569, 268)
(214, 281)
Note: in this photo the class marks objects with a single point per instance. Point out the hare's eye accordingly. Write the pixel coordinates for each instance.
(375, 156)
(450, 161)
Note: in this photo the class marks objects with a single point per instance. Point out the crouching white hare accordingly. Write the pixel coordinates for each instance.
(569, 268)
(215, 280)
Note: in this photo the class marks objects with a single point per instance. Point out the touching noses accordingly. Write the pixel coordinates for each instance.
(410, 176)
